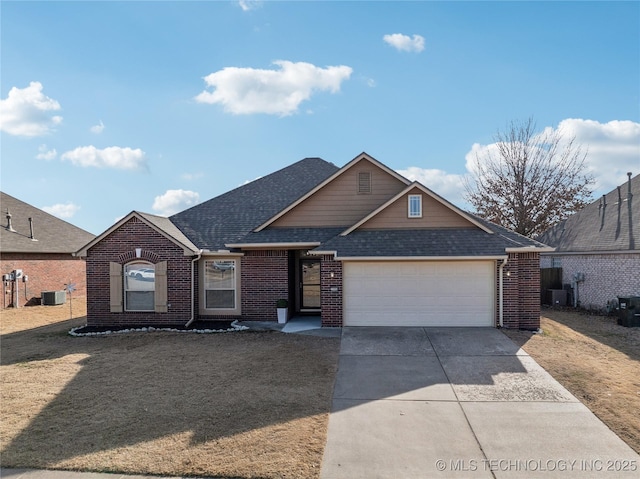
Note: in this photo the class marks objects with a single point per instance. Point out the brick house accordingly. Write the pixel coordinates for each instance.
(357, 245)
(600, 247)
(41, 246)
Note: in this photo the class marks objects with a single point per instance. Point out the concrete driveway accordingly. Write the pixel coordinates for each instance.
(459, 402)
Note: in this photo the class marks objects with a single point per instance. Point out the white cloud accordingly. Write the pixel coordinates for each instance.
(62, 210)
(405, 42)
(613, 149)
(247, 5)
(111, 157)
(192, 176)
(276, 92)
(97, 129)
(45, 154)
(28, 112)
(449, 186)
(173, 201)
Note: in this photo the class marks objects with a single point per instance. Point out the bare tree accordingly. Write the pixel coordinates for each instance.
(531, 181)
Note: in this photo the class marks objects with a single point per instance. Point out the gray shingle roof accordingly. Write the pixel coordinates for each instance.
(440, 242)
(229, 217)
(163, 223)
(291, 235)
(53, 234)
(614, 227)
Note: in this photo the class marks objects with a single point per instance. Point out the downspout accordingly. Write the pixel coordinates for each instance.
(501, 292)
(193, 294)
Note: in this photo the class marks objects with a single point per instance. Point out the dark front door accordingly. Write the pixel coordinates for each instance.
(309, 284)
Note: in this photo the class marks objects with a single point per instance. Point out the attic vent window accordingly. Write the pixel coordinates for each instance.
(415, 206)
(364, 182)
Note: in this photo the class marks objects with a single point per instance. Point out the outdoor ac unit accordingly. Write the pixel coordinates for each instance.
(53, 298)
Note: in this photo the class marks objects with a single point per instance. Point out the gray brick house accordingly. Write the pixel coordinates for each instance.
(357, 245)
(600, 247)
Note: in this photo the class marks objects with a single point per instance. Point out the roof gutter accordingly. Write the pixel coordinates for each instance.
(530, 249)
(193, 295)
(289, 245)
(408, 258)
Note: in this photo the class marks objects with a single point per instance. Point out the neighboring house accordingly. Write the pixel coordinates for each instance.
(600, 247)
(41, 246)
(357, 245)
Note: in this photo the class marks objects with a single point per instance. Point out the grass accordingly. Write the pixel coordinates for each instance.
(243, 404)
(596, 360)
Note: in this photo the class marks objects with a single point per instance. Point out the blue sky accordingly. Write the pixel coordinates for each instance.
(109, 107)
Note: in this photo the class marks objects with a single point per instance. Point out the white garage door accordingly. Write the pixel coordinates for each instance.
(425, 293)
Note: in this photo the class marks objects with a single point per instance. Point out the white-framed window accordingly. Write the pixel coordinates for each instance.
(220, 284)
(139, 286)
(556, 262)
(415, 206)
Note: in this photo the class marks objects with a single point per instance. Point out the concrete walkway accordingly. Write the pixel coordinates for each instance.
(459, 402)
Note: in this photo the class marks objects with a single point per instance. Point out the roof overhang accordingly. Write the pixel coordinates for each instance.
(408, 258)
(590, 253)
(219, 253)
(188, 251)
(530, 249)
(355, 161)
(426, 191)
(287, 245)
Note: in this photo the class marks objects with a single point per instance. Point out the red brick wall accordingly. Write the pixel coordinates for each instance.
(264, 280)
(522, 291)
(331, 291)
(119, 247)
(46, 272)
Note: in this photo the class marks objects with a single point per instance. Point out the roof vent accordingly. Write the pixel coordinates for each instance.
(364, 182)
(629, 195)
(31, 230)
(9, 226)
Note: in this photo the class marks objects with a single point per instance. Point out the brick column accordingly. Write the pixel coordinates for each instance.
(331, 291)
(521, 294)
(529, 290)
(265, 279)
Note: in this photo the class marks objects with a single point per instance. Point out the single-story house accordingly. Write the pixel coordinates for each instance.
(598, 248)
(40, 248)
(357, 245)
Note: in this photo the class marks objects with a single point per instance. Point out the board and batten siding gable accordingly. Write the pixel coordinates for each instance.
(339, 204)
(434, 215)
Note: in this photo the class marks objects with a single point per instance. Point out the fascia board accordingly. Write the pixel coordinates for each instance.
(83, 251)
(419, 258)
(592, 252)
(273, 245)
(429, 193)
(530, 249)
(356, 160)
(186, 249)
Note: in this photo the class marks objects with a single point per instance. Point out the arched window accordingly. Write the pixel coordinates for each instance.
(139, 286)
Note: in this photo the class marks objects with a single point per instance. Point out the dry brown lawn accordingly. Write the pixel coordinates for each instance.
(242, 404)
(595, 359)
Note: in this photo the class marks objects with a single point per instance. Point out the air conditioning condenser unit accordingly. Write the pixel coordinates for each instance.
(53, 298)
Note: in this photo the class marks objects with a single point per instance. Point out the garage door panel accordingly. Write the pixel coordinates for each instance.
(438, 293)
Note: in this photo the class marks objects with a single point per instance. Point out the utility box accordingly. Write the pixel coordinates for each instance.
(557, 297)
(629, 311)
(53, 298)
